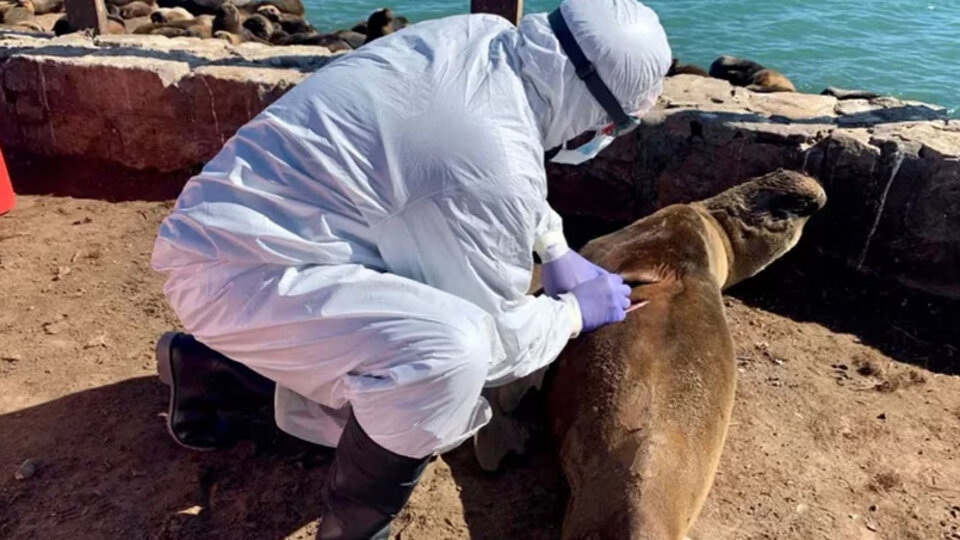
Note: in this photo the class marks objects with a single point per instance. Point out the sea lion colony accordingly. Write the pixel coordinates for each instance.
(274, 22)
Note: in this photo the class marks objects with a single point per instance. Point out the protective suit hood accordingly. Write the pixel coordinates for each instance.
(626, 43)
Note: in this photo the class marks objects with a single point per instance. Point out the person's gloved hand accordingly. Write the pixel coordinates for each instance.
(603, 300)
(566, 272)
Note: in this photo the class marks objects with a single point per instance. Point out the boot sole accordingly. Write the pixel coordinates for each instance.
(167, 376)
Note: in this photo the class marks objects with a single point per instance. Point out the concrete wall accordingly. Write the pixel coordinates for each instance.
(891, 168)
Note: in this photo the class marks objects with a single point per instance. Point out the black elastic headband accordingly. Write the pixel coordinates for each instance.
(587, 73)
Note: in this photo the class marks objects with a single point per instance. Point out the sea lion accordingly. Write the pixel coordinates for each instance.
(259, 26)
(750, 75)
(353, 39)
(169, 15)
(199, 27)
(841, 93)
(676, 68)
(43, 7)
(136, 9)
(379, 24)
(640, 409)
(290, 24)
(228, 37)
(228, 19)
(115, 26)
(768, 80)
(23, 11)
(28, 26)
(736, 71)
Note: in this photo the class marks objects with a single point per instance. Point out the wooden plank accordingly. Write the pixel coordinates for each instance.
(83, 14)
(510, 10)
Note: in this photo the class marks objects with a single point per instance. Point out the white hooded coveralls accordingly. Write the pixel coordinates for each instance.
(367, 240)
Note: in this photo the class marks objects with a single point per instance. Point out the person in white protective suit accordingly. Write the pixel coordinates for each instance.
(366, 242)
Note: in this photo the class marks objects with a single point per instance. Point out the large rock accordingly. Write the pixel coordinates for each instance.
(144, 102)
(891, 170)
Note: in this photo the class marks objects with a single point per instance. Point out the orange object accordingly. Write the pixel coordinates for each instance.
(6, 189)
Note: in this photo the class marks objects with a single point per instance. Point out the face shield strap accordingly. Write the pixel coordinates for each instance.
(623, 122)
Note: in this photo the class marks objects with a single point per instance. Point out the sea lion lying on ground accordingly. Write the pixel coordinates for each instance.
(640, 409)
(841, 93)
(676, 68)
(750, 75)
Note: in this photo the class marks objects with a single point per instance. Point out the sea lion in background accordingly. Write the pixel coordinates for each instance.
(736, 71)
(676, 68)
(842, 94)
(290, 24)
(136, 9)
(768, 80)
(23, 11)
(640, 409)
(750, 75)
(28, 26)
(260, 26)
(228, 37)
(115, 26)
(169, 15)
(43, 7)
(351, 38)
(379, 24)
(199, 27)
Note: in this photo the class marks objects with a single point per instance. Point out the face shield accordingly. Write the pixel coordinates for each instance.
(622, 122)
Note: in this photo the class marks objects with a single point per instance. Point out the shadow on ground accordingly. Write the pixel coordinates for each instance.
(107, 469)
(907, 325)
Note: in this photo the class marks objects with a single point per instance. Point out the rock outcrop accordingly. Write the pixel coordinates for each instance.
(144, 102)
(891, 168)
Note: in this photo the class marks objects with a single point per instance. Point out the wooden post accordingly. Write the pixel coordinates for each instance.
(83, 14)
(510, 10)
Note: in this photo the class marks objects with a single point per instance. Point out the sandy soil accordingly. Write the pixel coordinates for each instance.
(847, 420)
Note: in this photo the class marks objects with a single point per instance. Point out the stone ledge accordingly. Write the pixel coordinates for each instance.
(144, 102)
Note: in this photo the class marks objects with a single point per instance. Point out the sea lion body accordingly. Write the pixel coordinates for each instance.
(750, 75)
(43, 7)
(169, 15)
(23, 11)
(676, 68)
(768, 80)
(379, 24)
(640, 409)
(136, 9)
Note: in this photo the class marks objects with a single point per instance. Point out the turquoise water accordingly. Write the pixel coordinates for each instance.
(908, 48)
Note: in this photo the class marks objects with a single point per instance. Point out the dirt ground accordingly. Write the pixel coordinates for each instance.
(846, 425)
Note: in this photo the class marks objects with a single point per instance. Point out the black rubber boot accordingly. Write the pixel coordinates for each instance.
(211, 396)
(367, 485)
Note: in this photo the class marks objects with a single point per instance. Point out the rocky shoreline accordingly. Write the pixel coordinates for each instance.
(165, 106)
(270, 22)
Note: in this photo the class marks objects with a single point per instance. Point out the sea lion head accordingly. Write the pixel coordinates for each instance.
(762, 219)
(379, 23)
(271, 12)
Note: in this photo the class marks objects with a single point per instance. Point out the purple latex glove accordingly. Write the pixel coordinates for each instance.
(566, 272)
(603, 300)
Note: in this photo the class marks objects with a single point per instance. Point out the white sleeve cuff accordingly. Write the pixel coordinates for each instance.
(573, 310)
(551, 246)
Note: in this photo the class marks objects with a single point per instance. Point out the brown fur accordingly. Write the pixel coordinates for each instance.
(379, 24)
(767, 80)
(749, 74)
(136, 9)
(169, 15)
(676, 68)
(640, 409)
(42, 7)
(23, 12)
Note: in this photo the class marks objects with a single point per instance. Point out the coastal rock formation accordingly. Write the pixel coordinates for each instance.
(891, 168)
